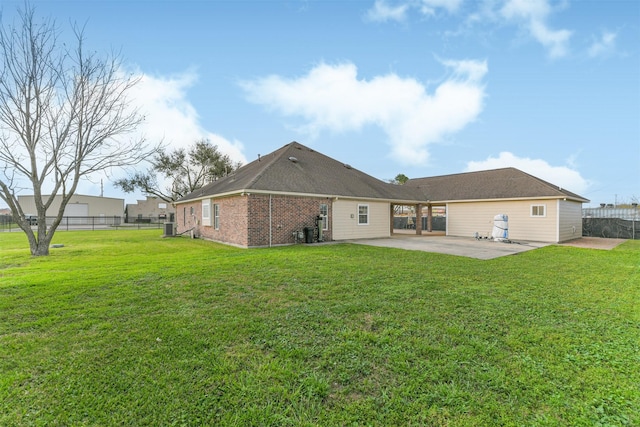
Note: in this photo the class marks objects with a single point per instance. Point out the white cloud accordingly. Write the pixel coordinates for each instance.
(333, 98)
(562, 176)
(383, 12)
(171, 118)
(530, 15)
(429, 7)
(603, 46)
(533, 15)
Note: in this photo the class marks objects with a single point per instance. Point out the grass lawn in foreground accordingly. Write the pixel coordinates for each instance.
(128, 328)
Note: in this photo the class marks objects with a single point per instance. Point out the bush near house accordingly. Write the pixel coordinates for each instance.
(127, 328)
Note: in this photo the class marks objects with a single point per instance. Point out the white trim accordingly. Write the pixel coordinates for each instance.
(216, 216)
(364, 205)
(446, 220)
(286, 193)
(325, 217)
(557, 220)
(206, 212)
(538, 205)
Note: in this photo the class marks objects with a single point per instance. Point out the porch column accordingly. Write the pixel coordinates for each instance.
(419, 219)
(429, 216)
(391, 215)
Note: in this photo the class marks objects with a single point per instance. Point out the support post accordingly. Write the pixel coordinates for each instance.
(391, 215)
(419, 219)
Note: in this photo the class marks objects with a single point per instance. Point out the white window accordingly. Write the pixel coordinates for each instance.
(539, 210)
(216, 216)
(206, 212)
(162, 206)
(363, 214)
(324, 213)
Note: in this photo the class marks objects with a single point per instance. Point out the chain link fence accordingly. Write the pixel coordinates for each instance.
(85, 223)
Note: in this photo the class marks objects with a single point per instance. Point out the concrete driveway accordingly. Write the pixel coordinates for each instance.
(460, 246)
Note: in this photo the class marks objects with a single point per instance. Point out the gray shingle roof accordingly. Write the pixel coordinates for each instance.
(297, 169)
(506, 183)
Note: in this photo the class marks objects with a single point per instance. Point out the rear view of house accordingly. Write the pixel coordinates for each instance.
(272, 200)
(278, 198)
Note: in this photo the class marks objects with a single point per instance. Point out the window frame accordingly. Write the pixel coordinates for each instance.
(324, 213)
(216, 216)
(360, 215)
(206, 212)
(537, 207)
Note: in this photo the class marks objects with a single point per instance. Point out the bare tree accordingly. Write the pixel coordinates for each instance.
(176, 173)
(64, 115)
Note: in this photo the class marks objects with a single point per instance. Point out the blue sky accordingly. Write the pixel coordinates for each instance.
(423, 88)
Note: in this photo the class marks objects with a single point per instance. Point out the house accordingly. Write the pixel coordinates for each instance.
(537, 210)
(271, 200)
(279, 198)
(152, 209)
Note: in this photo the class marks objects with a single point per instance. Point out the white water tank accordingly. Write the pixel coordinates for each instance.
(500, 227)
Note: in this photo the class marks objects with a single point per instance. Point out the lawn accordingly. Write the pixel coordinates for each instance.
(128, 328)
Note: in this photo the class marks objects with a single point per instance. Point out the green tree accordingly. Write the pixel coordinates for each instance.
(64, 115)
(174, 174)
(400, 179)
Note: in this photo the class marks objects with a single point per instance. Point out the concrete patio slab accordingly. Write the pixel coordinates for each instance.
(460, 246)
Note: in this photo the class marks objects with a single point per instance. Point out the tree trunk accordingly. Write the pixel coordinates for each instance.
(39, 242)
(41, 248)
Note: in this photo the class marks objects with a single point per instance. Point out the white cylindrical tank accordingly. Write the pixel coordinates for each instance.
(500, 227)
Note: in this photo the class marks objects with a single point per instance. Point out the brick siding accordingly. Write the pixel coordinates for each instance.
(244, 220)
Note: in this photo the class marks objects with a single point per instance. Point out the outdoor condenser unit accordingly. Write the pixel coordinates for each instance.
(168, 229)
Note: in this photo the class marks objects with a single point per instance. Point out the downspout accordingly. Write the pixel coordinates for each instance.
(270, 225)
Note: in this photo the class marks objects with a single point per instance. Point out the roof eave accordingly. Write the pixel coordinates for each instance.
(248, 191)
(511, 199)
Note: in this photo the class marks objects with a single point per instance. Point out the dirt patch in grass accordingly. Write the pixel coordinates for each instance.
(595, 243)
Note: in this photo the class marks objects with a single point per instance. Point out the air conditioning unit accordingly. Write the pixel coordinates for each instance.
(168, 229)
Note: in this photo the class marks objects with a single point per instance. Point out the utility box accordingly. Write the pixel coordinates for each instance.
(168, 229)
(308, 234)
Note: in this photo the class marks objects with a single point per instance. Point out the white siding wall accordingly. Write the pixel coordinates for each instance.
(345, 220)
(465, 219)
(570, 220)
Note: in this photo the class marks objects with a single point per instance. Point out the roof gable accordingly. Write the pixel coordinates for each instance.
(505, 183)
(297, 169)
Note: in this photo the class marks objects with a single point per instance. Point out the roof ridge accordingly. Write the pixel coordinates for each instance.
(465, 173)
(272, 158)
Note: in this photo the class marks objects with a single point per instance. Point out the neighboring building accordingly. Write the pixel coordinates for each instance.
(537, 210)
(272, 200)
(78, 206)
(153, 209)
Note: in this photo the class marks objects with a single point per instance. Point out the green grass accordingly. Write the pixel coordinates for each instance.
(128, 328)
